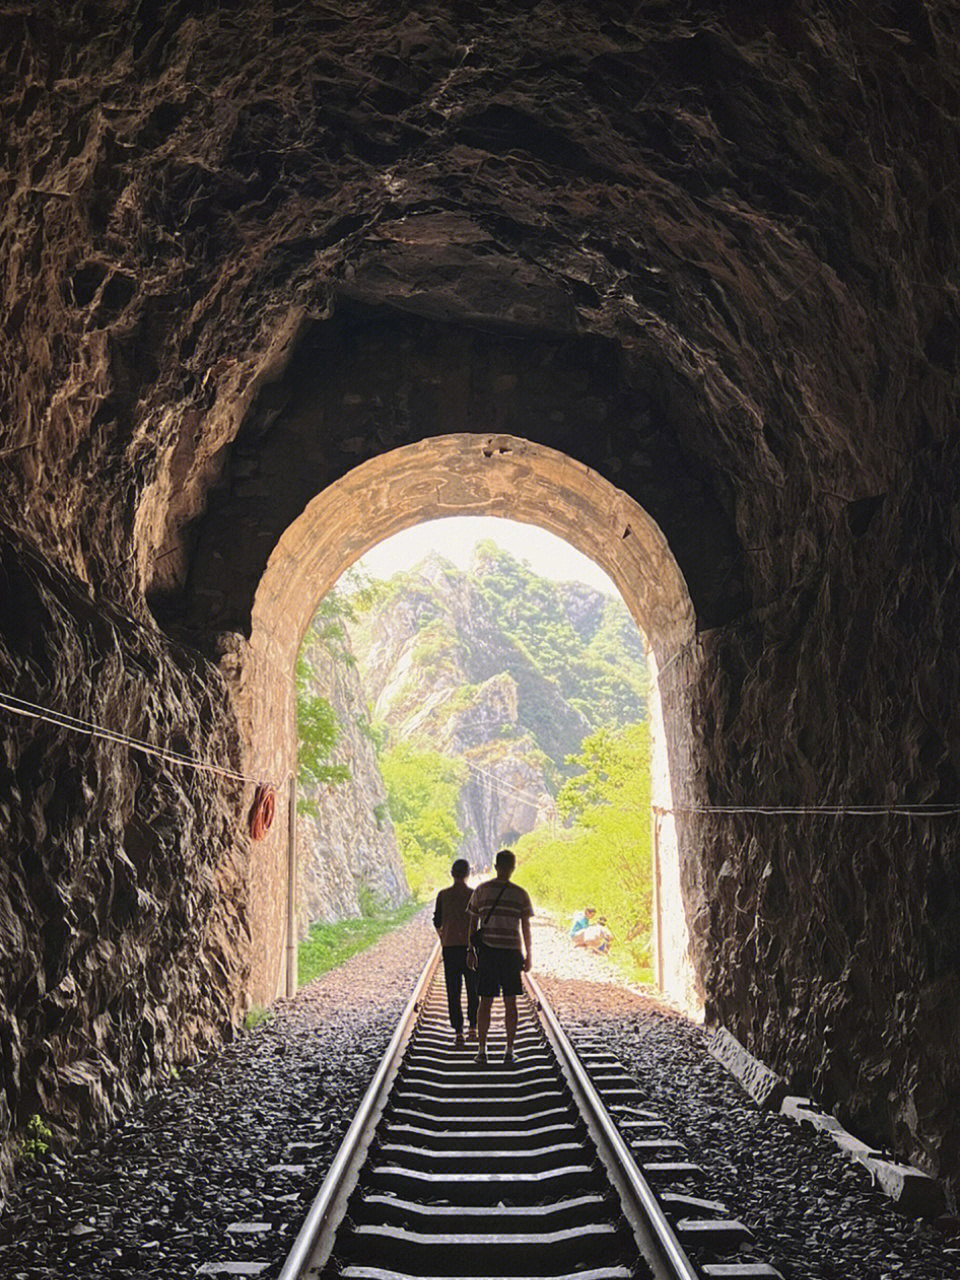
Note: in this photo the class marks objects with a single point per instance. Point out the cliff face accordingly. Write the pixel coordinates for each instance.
(505, 796)
(347, 847)
(455, 662)
(443, 676)
(705, 250)
(439, 637)
(123, 883)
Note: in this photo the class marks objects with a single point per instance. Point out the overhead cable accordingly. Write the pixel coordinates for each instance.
(498, 784)
(524, 797)
(488, 773)
(33, 711)
(824, 810)
(61, 720)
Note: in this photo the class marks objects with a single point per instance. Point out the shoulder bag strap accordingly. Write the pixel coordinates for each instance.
(495, 903)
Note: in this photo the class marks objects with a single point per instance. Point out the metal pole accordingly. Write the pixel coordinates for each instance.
(657, 903)
(292, 940)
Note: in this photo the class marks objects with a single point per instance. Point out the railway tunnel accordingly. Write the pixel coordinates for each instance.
(679, 284)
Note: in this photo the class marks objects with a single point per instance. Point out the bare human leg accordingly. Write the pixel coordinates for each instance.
(510, 1021)
(483, 1023)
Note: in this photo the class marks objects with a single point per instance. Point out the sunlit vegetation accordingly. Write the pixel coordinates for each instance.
(563, 646)
(423, 788)
(36, 1142)
(599, 665)
(329, 945)
(317, 725)
(603, 858)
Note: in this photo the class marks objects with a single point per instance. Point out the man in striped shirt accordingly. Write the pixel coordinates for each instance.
(499, 912)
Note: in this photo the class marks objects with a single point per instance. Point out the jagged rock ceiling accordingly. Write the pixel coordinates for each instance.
(747, 209)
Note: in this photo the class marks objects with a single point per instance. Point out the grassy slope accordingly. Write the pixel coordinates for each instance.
(569, 870)
(329, 945)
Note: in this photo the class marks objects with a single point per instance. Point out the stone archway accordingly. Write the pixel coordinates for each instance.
(469, 474)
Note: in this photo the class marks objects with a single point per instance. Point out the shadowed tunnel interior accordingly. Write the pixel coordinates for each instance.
(706, 251)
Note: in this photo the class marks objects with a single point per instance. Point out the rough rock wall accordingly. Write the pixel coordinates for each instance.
(349, 842)
(419, 650)
(122, 885)
(848, 977)
(505, 793)
(751, 203)
(505, 797)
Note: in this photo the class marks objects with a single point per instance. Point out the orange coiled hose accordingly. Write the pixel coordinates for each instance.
(264, 808)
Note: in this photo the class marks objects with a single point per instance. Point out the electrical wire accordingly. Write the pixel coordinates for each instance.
(505, 788)
(823, 810)
(61, 720)
(33, 711)
(501, 782)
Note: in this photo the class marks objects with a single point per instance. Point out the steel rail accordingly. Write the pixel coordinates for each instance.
(653, 1233)
(342, 1174)
(612, 1148)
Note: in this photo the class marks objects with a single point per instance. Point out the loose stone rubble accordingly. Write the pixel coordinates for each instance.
(243, 1137)
(814, 1215)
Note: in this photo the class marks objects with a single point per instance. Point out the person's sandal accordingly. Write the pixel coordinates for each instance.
(459, 1041)
(481, 1059)
(509, 1060)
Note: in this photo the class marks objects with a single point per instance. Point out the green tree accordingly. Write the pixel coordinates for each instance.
(603, 858)
(318, 729)
(423, 789)
(614, 772)
(328, 627)
(598, 664)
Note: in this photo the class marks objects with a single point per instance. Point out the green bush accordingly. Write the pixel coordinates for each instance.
(35, 1145)
(370, 902)
(424, 789)
(603, 859)
(374, 733)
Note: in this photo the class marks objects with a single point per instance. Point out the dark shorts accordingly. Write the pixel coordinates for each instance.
(499, 970)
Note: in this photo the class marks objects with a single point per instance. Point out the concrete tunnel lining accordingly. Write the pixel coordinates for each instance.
(467, 474)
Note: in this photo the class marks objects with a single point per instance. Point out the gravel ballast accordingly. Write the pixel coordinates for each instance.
(157, 1196)
(814, 1215)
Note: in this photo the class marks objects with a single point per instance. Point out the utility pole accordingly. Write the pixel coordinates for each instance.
(657, 938)
(291, 981)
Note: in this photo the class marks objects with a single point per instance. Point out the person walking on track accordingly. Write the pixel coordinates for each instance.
(499, 913)
(451, 921)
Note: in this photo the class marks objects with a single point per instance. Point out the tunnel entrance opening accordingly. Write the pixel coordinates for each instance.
(472, 684)
(475, 474)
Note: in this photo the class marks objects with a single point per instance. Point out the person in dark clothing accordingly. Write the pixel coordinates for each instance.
(451, 921)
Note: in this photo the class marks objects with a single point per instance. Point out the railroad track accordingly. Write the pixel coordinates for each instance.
(540, 1169)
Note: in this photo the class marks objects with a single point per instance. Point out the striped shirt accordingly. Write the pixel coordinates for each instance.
(501, 927)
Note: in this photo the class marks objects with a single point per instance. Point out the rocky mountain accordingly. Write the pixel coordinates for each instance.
(503, 669)
(347, 847)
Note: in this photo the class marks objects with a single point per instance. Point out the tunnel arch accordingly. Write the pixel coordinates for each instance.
(371, 379)
(470, 474)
